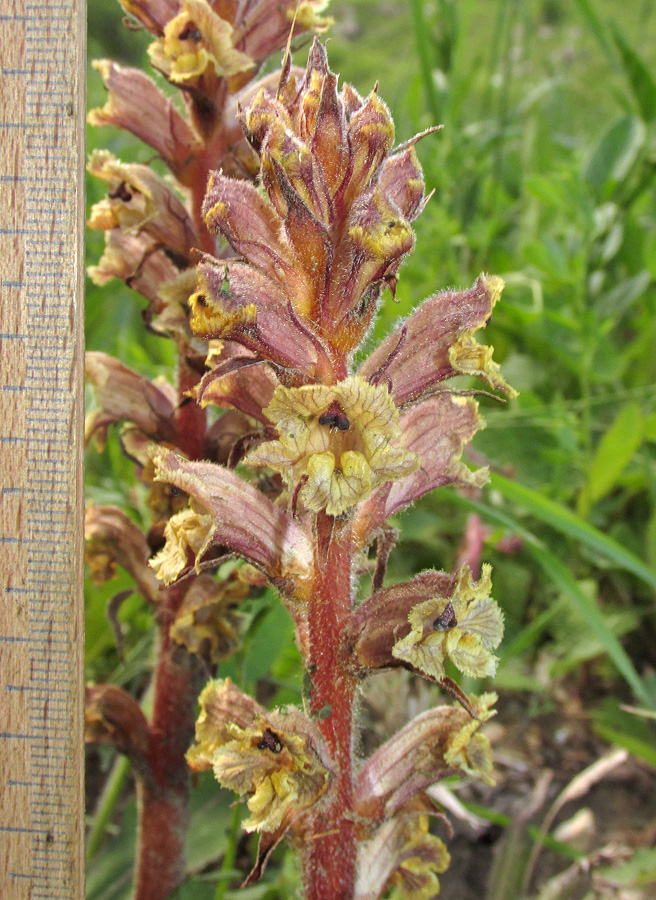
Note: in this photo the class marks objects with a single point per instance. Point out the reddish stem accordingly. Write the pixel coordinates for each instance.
(205, 162)
(191, 419)
(163, 795)
(330, 849)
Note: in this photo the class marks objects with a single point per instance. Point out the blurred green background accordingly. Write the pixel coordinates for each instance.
(543, 174)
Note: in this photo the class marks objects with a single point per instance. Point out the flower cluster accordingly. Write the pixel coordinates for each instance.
(294, 264)
(316, 243)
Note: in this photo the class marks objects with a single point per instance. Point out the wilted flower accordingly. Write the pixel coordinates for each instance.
(188, 534)
(402, 854)
(334, 443)
(112, 538)
(112, 716)
(208, 622)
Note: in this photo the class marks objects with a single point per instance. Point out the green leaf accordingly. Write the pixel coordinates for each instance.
(616, 301)
(567, 522)
(640, 870)
(615, 152)
(626, 729)
(640, 749)
(613, 454)
(549, 191)
(425, 62)
(562, 577)
(548, 256)
(639, 76)
(650, 538)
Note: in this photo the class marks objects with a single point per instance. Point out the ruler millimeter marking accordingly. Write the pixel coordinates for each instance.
(42, 97)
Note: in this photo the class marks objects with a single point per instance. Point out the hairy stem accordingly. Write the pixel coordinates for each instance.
(163, 796)
(329, 853)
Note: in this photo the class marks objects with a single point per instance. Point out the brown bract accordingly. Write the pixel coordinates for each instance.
(136, 104)
(437, 431)
(435, 744)
(228, 512)
(325, 233)
(436, 342)
(124, 395)
(113, 539)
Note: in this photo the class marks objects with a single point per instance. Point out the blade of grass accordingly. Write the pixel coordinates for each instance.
(425, 64)
(638, 75)
(231, 854)
(562, 578)
(106, 805)
(527, 636)
(639, 749)
(598, 29)
(567, 522)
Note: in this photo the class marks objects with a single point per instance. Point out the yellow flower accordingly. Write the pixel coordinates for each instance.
(271, 757)
(464, 627)
(195, 41)
(471, 752)
(403, 857)
(468, 357)
(278, 769)
(423, 857)
(335, 442)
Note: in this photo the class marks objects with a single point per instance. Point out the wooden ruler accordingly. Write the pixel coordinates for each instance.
(42, 44)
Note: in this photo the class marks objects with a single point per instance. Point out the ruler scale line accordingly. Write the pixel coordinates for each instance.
(42, 122)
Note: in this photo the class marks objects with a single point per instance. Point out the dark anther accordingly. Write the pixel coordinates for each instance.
(335, 418)
(121, 193)
(270, 741)
(191, 33)
(446, 619)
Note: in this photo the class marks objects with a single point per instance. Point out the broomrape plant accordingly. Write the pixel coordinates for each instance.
(265, 258)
